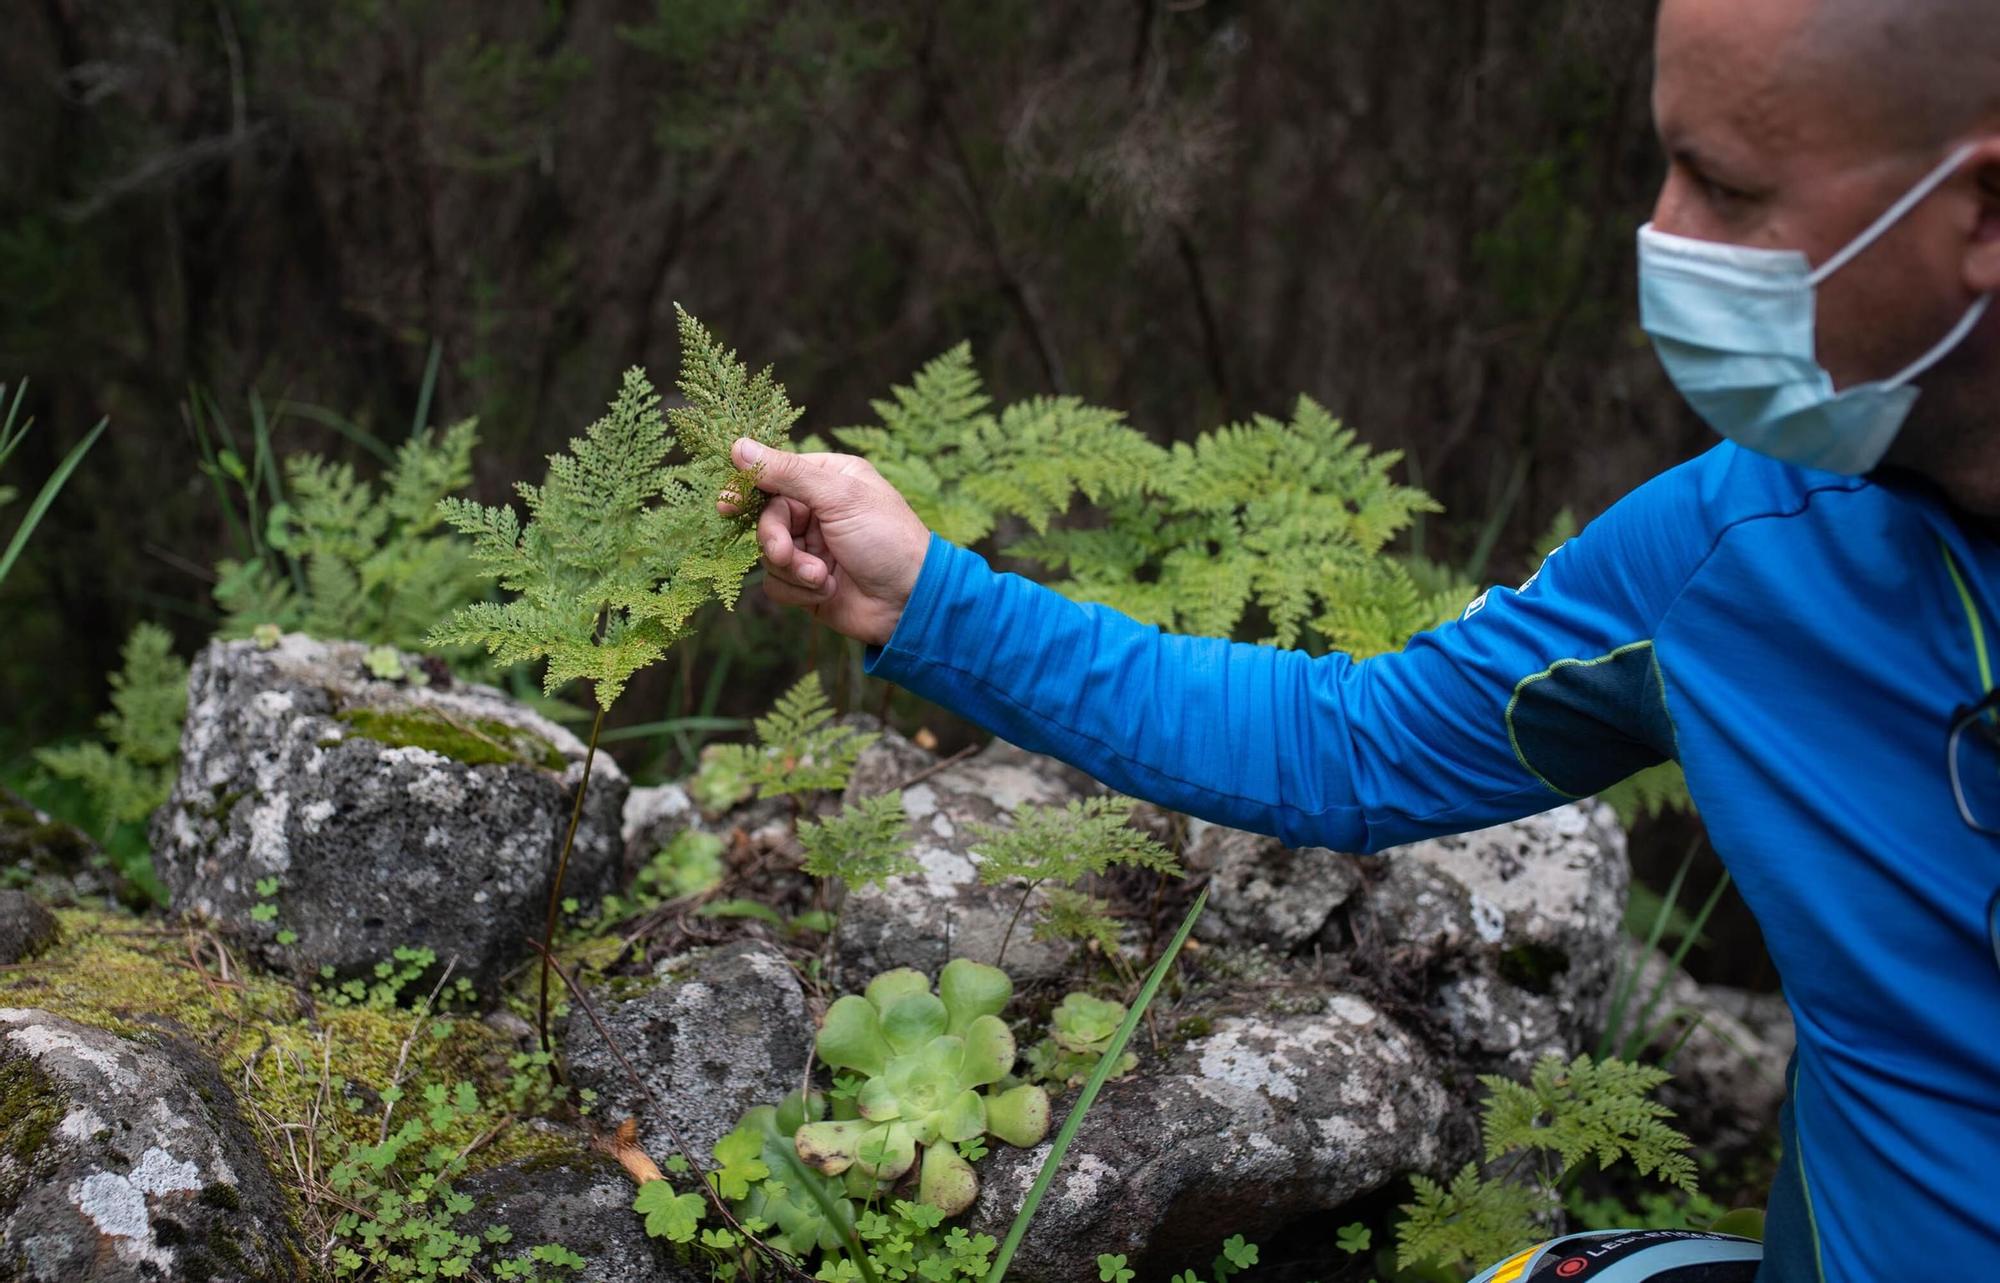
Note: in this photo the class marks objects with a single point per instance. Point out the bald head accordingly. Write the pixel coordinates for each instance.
(1920, 71)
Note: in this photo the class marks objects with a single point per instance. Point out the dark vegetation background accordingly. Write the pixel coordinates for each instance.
(1420, 213)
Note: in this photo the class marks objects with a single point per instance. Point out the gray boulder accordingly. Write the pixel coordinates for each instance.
(582, 1201)
(712, 1033)
(653, 817)
(26, 927)
(390, 813)
(125, 1161)
(56, 861)
(944, 911)
(1263, 892)
(1729, 1065)
(1251, 1126)
(1508, 936)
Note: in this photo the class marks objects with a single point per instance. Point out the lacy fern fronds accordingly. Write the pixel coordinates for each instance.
(619, 549)
(799, 748)
(867, 844)
(372, 563)
(1291, 515)
(1589, 1108)
(1470, 1221)
(130, 772)
(1069, 914)
(1584, 1109)
(1289, 518)
(1063, 844)
(963, 467)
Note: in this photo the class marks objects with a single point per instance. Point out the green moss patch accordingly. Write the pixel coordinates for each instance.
(476, 741)
(289, 1062)
(30, 1108)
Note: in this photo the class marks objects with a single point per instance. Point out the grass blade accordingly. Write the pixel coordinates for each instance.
(421, 419)
(1089, 1094)
(54, 484)
(1609, 1042)
(646, 730)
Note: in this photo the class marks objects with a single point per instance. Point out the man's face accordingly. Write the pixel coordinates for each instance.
(1765, 149)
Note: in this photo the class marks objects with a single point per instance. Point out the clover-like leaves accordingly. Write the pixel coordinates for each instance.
(923, 1057)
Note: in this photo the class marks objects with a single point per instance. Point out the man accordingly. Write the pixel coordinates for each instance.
(1805, 616)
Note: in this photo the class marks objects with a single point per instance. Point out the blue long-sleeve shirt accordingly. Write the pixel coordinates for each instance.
(1797, 640)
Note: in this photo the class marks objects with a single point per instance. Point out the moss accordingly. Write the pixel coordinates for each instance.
(221, 1195)
(30, 1107)
(126, 975)
(1194, 1027)
(475, 741)
(1533, 967)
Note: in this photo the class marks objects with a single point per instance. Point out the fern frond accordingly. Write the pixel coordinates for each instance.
(131, 772)
(1062, 844)
(1471, 1221)
(1589, 1109)
(867, 844)
(621, 549)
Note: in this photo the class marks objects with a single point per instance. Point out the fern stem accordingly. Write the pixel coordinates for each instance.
(555, 892)
(1000, 960)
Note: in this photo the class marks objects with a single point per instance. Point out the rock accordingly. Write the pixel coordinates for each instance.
(655, 816)
(390, 814)
(1249, 1127)
(944, 911)
(715, 1032)
(886, 763)
(1729, 1071)
(56, 861)
(124, 1161)
(26, 928)
(1509, 936)
(583, 1202)
(1263, 892)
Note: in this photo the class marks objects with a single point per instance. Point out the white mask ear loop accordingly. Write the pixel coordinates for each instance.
(1945, 345)
(1931, 182)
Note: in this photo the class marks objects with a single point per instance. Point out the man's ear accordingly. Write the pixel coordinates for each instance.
(1982, 252)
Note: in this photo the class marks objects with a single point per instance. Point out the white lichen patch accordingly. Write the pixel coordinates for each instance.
(118, 1209)
(40, 1040)
(159, 1172)
(1089, 1180)
(1353, 1010)
(1489, 922)
(1008, 785)
(80, 1124)
(919, 800)
(313, 814)
(272, 704)
(1265, 1058)
(269, 847)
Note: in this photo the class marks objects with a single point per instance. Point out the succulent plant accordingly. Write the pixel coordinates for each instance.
(922, 1058)
(1080, 1032)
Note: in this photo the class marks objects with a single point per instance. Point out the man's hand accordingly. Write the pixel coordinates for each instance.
(837, 539)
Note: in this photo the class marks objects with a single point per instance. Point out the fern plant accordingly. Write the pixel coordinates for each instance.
(964, 467)
(799, 749)
(129, 772)
(1062, 845)
(620, 548)
(1541, 1133)
(344, 557)
(1287, 517)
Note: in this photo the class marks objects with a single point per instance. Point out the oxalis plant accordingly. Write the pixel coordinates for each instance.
(621, 548)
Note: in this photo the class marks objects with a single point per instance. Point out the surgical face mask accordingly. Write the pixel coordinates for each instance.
(1734, 327)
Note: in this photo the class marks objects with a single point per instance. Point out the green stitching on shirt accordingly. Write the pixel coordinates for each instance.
(1971, 616)
(1805, 1186)
(1514, 740)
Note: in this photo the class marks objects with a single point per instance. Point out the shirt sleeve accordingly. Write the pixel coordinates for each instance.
(1535, 695)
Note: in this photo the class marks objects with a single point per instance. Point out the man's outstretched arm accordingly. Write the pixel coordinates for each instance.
(1537, 695)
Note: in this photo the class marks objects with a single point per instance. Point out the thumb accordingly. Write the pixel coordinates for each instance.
(814, 479)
